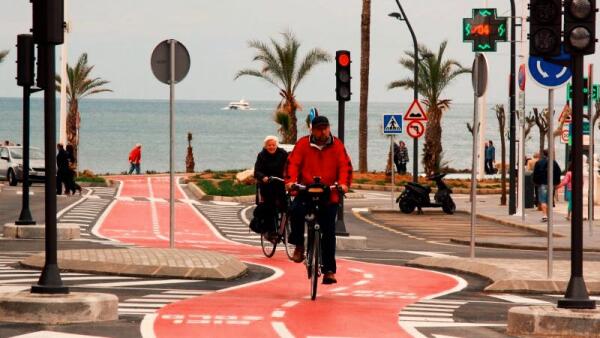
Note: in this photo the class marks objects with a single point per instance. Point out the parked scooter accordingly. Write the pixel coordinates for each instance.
(417, 196)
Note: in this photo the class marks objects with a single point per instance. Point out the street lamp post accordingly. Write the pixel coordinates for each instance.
(402, 17)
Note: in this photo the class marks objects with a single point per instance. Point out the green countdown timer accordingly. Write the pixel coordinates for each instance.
(485, 29)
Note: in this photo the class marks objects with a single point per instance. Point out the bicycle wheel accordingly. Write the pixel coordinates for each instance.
(268, 247)
(287, 228)
(315, 262)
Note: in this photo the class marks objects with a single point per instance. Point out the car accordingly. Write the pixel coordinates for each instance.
(11, 164)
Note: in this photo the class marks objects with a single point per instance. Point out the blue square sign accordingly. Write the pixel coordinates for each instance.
(392, 124)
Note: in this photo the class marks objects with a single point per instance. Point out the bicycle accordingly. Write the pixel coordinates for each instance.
(318, 195)
(269, 240)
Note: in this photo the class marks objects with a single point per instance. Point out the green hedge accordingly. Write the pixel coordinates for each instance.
(225, 188)
(95, 179)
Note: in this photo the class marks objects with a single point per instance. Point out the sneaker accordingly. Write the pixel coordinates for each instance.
(329, 278)
(298, 255)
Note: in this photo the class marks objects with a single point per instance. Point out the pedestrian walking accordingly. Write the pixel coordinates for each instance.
(62, 172)
(540, 178)
(490, 158)
(401, 157)
(566, 182)
(71, 185)
(135, 158)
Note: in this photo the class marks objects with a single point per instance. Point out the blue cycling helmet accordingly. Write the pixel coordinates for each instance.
(312, 113)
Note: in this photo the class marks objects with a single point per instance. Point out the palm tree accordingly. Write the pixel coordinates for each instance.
(435, 74)
(3, 54)
(365, 52)
(79, 86)
(279, 67)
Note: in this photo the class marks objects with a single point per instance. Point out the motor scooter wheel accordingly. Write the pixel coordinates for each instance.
(448, 206)
(407, 205)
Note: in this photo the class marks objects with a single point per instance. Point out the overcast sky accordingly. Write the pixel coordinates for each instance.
(119, 37)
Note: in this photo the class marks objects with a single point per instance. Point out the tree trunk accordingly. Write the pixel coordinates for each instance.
(293, 135)
(432, 149)
(542, 142)
(365, 51)
(73, 128)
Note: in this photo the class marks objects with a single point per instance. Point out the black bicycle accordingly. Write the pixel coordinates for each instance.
(317, 197)
(270, 239)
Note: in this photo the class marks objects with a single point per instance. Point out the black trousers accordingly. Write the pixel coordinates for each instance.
(489, 166)
(326, 218)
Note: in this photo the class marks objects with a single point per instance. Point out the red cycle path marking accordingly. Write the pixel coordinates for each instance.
(365, 303)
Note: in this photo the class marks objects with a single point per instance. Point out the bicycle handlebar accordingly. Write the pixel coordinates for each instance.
(275, 178)
(301, 187)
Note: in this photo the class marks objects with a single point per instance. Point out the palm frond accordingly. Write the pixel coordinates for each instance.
(313, 58)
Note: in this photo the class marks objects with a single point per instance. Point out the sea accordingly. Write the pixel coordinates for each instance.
(225, 139)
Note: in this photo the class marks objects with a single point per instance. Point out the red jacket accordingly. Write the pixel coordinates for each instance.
(331, 163)
(135, 155)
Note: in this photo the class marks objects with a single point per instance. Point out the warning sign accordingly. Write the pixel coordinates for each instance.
(392, 124)
(415, 112)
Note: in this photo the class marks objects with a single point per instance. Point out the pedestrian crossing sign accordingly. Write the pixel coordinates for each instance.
(392, 124)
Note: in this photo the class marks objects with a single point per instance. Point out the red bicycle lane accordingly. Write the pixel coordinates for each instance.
(365, 303)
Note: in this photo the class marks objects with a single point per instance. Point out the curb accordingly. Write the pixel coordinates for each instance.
(501, 279)
(460, 191)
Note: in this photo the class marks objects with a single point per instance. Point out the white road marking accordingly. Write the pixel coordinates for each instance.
(52, 334)
(282, 330)
(426, 319)
(362, 282)
(290, 303)
(278, 314)
(406, 313)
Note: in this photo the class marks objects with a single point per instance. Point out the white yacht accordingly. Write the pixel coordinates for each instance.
(240, 105)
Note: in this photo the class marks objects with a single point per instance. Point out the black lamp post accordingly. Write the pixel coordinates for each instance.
(402, 17)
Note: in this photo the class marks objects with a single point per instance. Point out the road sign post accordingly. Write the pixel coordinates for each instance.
(392, 125)
(479, 80)
(170, 63)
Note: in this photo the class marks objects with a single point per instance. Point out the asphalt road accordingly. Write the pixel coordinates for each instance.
(472, 312)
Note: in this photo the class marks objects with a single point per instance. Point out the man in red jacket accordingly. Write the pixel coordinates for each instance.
(318, 155)
(135, 158)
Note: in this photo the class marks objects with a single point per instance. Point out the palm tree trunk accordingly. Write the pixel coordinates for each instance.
(432, 149)
(73, 127)
(365, 51)
(293, 135)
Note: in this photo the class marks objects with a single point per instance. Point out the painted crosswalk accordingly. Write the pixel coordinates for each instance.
(14, 277)
(229, 219)
(150, 303)
(426, 311)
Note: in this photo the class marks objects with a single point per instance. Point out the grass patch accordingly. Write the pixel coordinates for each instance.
(360, 180)
(225, 188)
(95, 179)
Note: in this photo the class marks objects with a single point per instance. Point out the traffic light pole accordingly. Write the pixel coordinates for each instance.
(576, 296)
(50, 281)
(340, 226)
(25, 217)
(512, 183)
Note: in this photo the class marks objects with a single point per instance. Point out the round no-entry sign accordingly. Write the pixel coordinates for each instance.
(415, 129)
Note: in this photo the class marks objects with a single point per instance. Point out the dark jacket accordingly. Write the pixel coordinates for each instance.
(400, 154)
(62, 161)
(540, 172)
(270, 165)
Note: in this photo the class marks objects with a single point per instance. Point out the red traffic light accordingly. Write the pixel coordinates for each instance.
(344, 60)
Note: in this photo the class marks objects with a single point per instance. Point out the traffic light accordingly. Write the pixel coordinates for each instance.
(25, 58)
(545, 27)
(342, 75)
(580, 26)
(48, 21)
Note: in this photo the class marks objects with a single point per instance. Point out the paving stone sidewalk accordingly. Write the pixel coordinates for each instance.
(147, 262)
(488, 206)
(525, 276)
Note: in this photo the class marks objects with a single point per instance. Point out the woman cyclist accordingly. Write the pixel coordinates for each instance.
(270, 162)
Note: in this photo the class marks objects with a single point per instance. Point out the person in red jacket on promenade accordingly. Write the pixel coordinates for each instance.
(135, 158)
(318, 154)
